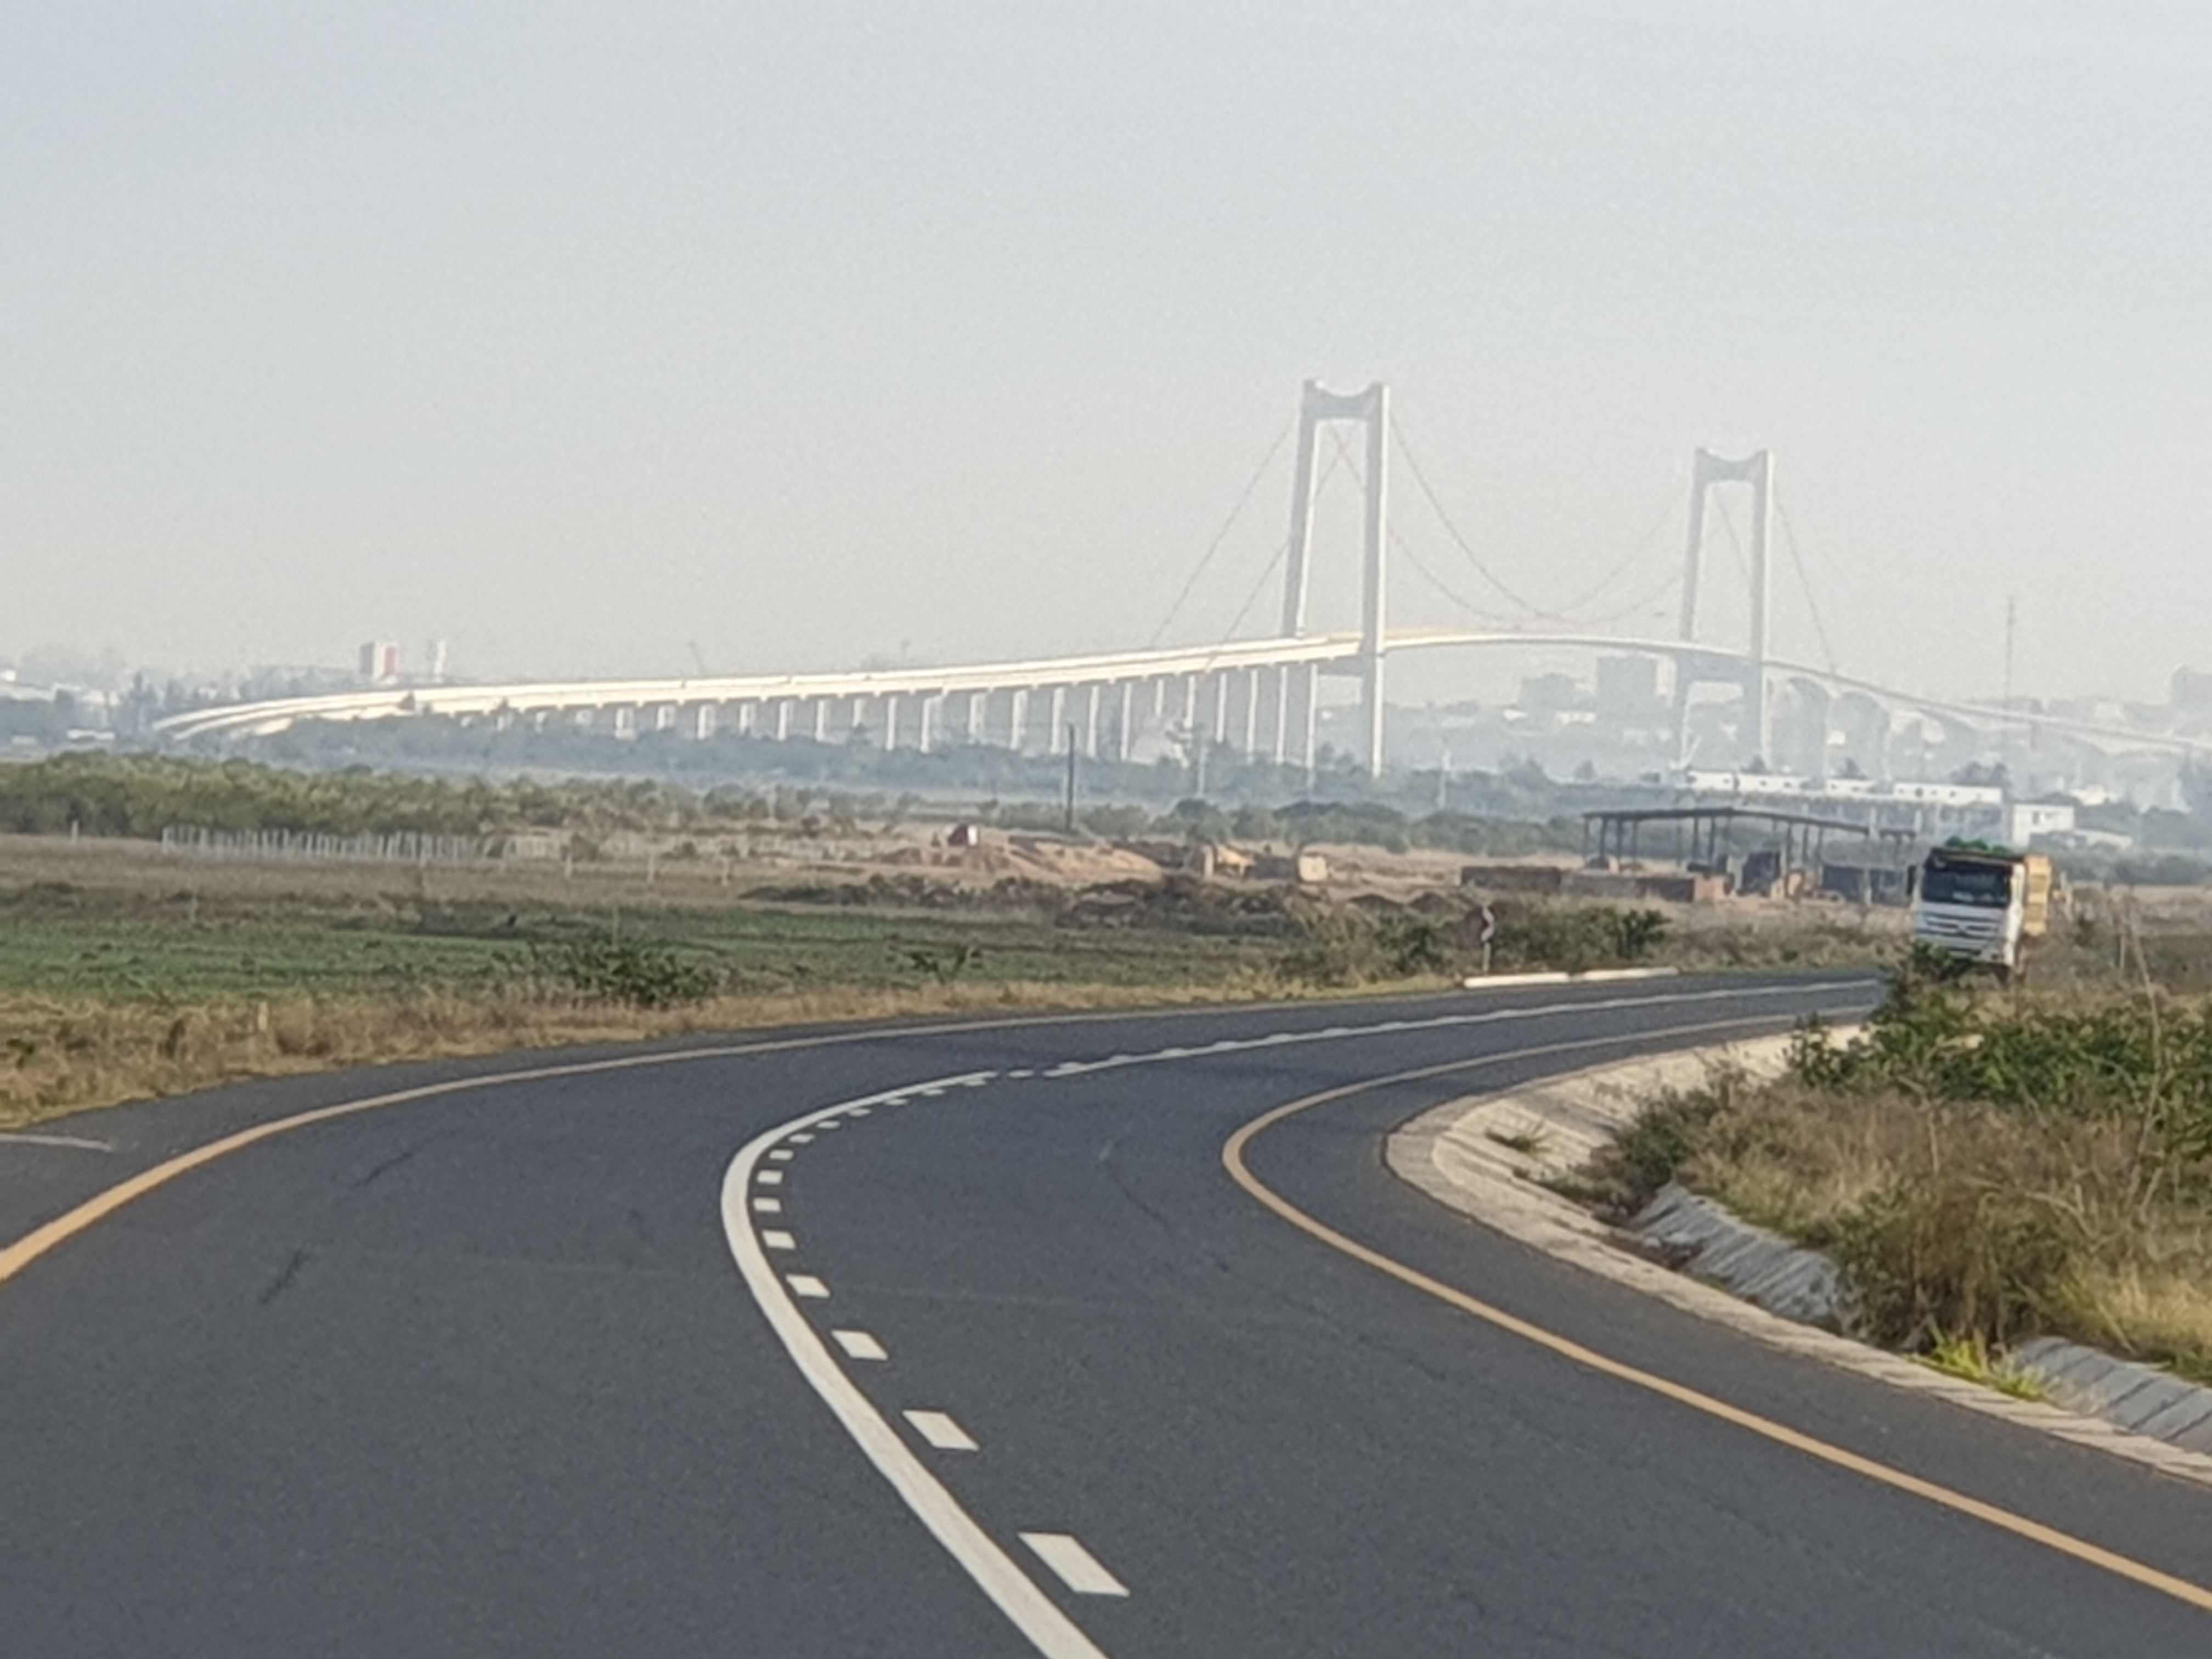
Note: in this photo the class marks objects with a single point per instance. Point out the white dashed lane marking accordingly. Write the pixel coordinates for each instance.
(993, 1570)
(940, 1430)
(1077, 1567)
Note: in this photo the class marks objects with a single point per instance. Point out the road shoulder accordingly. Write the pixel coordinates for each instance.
(1483, 1157)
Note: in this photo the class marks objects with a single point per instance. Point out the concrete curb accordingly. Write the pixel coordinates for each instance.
(1463, 1154)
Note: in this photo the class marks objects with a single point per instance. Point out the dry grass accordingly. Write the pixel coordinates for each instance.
(65, 1056)
(2006, 1224)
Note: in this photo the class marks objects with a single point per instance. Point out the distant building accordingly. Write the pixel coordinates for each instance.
(1548, 696)
(1628, 694)
(2025, 820)
(380, 663)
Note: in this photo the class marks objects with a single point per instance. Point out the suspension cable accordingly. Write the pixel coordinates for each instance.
(1596, 590)
(1243, 499)
(1643, 602)
(1804, 581)
(1421, 569)
(1421, 481)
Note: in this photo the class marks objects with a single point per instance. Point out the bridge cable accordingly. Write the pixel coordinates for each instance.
(1421, 481)
(1244, 500)
(1597, 590)
(1641, 603)
(1398, 541)
(1282, 552)
(1734, 542)
(1421, 569)
(1804, 581)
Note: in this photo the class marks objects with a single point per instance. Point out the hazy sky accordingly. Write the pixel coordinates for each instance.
(812, 332)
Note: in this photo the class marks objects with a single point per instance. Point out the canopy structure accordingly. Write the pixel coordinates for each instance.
(1704, 835)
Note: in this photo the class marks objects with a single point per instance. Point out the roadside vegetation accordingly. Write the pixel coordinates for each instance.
(125, 972)
(1986, 1164)
(284, 934)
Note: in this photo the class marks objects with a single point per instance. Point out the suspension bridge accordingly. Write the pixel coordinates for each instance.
(1262, 697)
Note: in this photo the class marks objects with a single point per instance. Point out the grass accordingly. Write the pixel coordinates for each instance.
(1970, 1357)
(1985, 1166)
(1529, 1143)
(124, 974)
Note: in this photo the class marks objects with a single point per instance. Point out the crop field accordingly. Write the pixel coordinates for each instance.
(125, 972)
(124, 923)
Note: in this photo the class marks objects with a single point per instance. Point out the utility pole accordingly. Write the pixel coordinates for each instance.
(1071, 777)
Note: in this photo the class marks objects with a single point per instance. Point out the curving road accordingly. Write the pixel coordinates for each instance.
(961, 1340)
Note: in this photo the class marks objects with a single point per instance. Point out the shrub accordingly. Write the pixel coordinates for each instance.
(1627, 1173)
(640, 973)
(1950, 1256)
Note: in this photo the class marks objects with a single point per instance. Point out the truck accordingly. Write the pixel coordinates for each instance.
(1982, 903)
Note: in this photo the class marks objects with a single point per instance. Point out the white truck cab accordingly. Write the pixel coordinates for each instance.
(1982, 903)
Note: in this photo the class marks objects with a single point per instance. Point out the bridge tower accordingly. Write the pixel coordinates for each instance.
(1372, 409)
(1755, 726)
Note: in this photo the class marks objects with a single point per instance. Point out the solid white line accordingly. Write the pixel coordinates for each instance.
(859, 1345)
(808, 1285)
(770, 1177)
(1079, 1568)
(1032, 1612)
(1441, 1022)
(940, 1430)
(74, 1143)
(776, 1239)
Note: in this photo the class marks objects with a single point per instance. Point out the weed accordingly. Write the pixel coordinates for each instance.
(1627, 1173)
(642, 974)
(1971, 1358)
(1529, 1143)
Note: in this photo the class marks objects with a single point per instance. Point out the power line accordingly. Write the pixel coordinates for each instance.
(1243, 499)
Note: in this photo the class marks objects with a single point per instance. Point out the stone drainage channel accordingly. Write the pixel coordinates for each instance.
(1488, 1157)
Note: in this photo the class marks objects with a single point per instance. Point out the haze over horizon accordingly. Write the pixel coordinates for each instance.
(574, 335)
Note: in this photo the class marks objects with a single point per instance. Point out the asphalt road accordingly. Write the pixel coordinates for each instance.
(539, 1368)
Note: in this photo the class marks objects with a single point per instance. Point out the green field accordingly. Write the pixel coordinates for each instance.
(139, 927)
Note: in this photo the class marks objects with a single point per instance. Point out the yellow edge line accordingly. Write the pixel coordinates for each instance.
(42, 1240)
(1232, 1159)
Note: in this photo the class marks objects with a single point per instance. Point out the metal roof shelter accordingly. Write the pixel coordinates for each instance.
(1802, 834)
